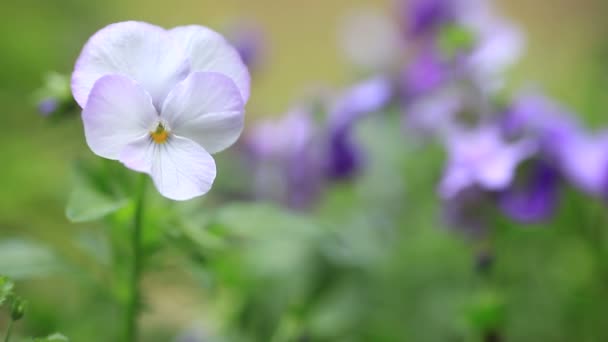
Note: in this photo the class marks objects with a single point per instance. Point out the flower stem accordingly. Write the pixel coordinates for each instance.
(9, 331)
(133, 304)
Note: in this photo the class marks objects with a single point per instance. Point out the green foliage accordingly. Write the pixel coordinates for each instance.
(17, 308)
(94, 196)
(26, 259)
(86, 205)
(6, 289)
(52, 338)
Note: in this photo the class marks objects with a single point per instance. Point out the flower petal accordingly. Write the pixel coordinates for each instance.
(181, 169)
(139, 155)
(141, 51)
(207, 108)
(119, 111)
(209, 51)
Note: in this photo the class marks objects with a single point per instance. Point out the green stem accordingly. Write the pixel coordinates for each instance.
(9, 331)
(133, 304)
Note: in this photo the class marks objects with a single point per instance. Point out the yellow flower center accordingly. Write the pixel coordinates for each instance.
(160, 135)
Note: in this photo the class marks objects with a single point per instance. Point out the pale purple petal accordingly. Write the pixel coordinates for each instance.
(138, 50)
(481, 157)
(498, 170)
(209, 51)
(119, 111)
(139, 154)
(207, 108)
(500, 44)
(456, 178)
(583, 158)
(181, 169)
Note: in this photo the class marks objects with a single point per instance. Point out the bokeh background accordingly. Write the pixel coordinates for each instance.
(401, 275)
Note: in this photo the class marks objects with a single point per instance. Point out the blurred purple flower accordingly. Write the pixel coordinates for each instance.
(285, 160)
(482, 158)
(536, 116)
(426, 73)
(421, 17)
(250, 42)
(48, 106)
(434, 114)
(583, 159)
(580, 156)
(534, 201)
(344, 156)
(499, 46)
(496, 43)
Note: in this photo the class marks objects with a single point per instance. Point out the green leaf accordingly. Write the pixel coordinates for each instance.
(99, 190)
(86, 204)
(56, 337)
(6, 288)
(21, 259)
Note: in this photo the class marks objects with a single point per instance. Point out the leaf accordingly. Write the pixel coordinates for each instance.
(254, 219)
(98, 191)
(56, 337)
(6, 288)
(87, 205)
(21, 259)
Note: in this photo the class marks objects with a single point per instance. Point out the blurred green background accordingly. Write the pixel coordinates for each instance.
(549, 278)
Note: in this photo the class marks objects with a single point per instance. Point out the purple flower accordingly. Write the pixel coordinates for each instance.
(583, 159)
(285, 159)
(249, 40)
(481, 158)
(161, 101)
(48, 106)
(425, 16)
(434, 114)
(499, 46)
(344, 156)
(426, 73)
(580, 156)
(536, 199)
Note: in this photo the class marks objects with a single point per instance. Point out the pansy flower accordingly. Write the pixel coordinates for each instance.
(161, 101)
(481, 158)
(285, 159)
(343, 153)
